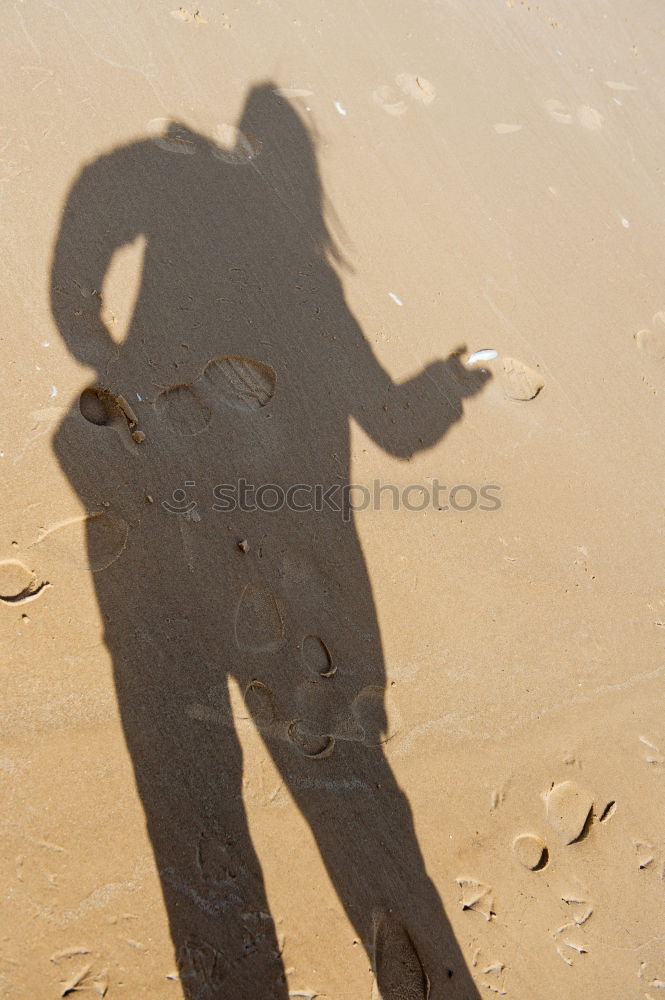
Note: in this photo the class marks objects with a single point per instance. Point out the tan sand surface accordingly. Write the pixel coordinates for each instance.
(401, 753)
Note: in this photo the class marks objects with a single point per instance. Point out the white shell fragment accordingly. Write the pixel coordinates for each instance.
(487, 354)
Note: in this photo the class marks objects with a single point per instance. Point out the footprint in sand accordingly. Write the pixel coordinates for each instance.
(239, 382)
(107, 538)
(182, 411)
(398, 971)
(317, 657)
(518, 380)
(531, 851)
(103, 408)
(652, 342)
(375, 714)
(88, 542)
(203, 967)
(260, 703)
(99, 406)
(569, 811)
(18, 584)
(309, 740)
(242, 383)
(259, 623)
(415, 87)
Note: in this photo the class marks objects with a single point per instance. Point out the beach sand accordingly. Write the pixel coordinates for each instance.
(410, 749)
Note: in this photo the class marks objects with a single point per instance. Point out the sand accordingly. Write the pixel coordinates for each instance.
(410, 749)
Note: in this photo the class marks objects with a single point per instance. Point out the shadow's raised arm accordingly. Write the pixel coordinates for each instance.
(407, 417)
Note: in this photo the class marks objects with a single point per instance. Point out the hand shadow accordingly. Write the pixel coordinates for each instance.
(242, 360)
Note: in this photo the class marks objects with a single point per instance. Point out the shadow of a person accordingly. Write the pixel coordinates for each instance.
(243, 361)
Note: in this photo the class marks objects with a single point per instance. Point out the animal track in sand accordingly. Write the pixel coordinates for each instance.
(569, 946)
(581, 908)
(652, 342)
(519, 381)
(18, 584)
(259, 626)
(569, 810)
(316, 657)
(476, 896)
(650, 857)
(398, 971)
(656, 982)
(531, 851)
(181, 410)
(240, 382)
(81, 970)
(495, 971)
(568, 938)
